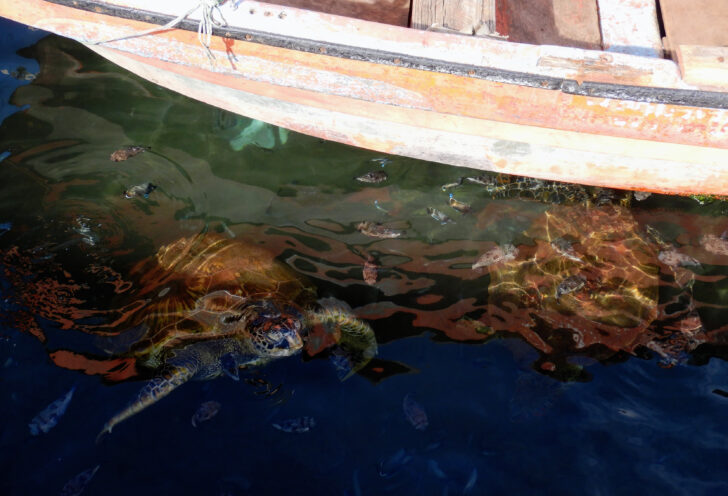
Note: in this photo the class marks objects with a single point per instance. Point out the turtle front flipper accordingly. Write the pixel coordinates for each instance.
(156, 389)
(355, 341)
(199, 361)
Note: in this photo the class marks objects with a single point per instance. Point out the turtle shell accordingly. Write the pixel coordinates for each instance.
(602, 249)
(199, 288)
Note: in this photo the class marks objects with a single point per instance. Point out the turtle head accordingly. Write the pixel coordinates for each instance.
(275, 329)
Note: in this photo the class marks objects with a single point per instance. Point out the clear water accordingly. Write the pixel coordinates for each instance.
(523, 394)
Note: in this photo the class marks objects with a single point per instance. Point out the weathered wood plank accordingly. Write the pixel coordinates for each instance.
(695, 22)
(703, 66)
(464, 16)
(630, 26)
(386, 11)
(691, 28)
(572, 23)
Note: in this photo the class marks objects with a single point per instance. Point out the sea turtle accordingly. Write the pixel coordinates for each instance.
(214, 305)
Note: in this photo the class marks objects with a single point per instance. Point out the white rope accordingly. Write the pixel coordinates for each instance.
(208, 21)
(204, 28)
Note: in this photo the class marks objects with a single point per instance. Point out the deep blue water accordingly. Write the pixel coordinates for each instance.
(503, 416)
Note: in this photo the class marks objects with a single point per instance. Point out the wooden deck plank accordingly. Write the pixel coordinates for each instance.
(694, 31)
(704, 66)
(572, 23)
(464, 16)
(630, 26)
(697, 22)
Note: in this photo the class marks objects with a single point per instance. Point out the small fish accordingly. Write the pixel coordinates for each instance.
(75, 486)
(264, 388)
(21, 73)
(629, 413)
(673, 258)
(641, 195)
(389, 467)
(436, 470)
(140, 190)
(496, 255)
(415, 413)
(482, 180)
(379, 207)
(127, 152)
(569, 285)
(448, 186)
(564, 248)
(206, 411)
(715, 244)
(369, 271)
(377, 230)
(4, 155)
(438, 216)
(470, 484)
(373, 177)
(720, 392)
(603, 196)
(296, 425)
(48, 418)
(382, 161)
(227, 230)
(461, 207)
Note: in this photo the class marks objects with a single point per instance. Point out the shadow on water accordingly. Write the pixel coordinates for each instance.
(532, 337)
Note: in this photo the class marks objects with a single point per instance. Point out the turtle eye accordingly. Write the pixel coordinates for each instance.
(229, 319)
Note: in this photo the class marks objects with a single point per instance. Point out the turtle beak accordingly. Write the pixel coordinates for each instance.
(287, 340)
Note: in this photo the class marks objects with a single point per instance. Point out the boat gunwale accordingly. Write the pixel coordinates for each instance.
(647, 94)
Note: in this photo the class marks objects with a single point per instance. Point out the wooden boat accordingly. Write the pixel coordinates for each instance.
(586, 91)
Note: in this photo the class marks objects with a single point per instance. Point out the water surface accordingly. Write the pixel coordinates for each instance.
(586, 357)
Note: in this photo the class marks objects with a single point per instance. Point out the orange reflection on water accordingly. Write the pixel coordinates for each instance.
(112, 369)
